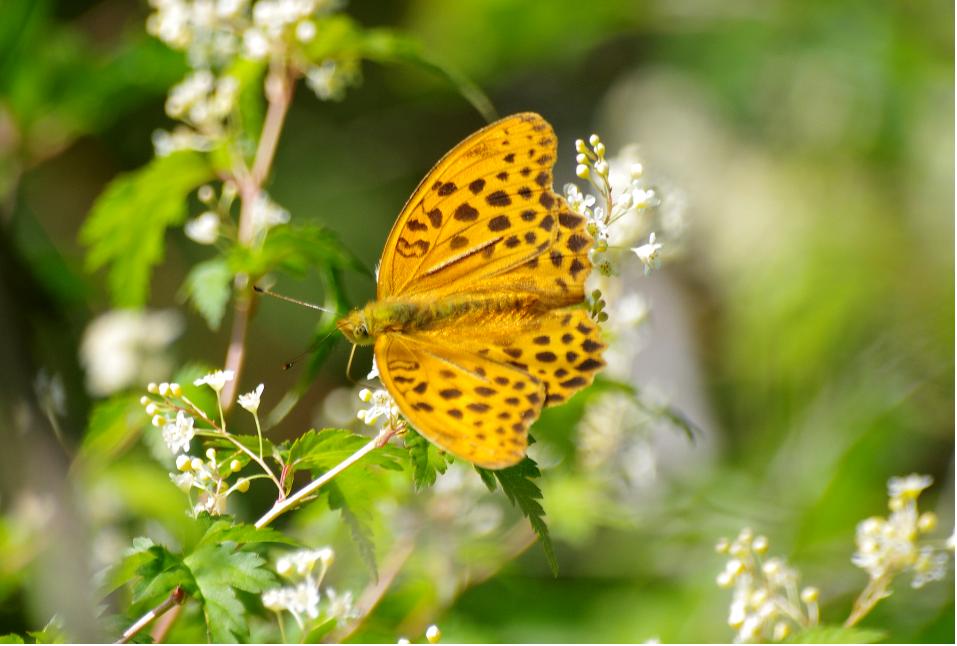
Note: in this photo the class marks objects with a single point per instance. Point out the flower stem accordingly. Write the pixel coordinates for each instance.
(871, 595)
(282, 506)
(175, 598)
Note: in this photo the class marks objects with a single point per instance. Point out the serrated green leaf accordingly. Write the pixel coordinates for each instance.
(518, 483)
(294, 248)
(126, 226)
(836, 635)
(427, 461)
(353, 492)
(219, 571)
(208, 287)
(114, 425)
(221, 530)
(319, 451)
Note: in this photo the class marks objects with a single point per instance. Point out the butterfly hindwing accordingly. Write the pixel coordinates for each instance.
(474, 408)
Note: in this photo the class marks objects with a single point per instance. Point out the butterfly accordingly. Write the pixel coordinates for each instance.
(477, 323)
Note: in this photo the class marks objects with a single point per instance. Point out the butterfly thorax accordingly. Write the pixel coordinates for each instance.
(406, 316)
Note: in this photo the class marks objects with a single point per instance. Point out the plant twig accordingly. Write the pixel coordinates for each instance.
(282, 506)
(175, 598)
(279, 90)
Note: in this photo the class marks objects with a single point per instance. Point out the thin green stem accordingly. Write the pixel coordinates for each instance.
(259, 432)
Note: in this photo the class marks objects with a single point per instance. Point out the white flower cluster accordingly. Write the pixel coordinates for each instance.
(209, 477)
(890, 546)
(213, 33)
(627, 202)
(766, 605)
(301, 599)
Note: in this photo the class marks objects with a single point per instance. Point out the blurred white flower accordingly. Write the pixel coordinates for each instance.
(341, 606)
(216, 379)
(765, 605)
(329, 80)
(204, 228)
(267, 214)
(433, 634)
(125, 347)
(648, 253)
(178, 433)
(250, 401)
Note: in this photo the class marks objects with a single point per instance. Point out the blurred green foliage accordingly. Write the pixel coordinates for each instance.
(815, 142)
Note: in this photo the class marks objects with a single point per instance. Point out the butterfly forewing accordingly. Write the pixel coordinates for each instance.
(487, 208)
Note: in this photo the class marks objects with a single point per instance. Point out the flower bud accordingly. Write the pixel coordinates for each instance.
(243, 485)
(433, 634)
(235, 465)
(164, 389)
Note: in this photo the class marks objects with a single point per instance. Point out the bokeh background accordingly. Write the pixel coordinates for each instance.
(806, 328)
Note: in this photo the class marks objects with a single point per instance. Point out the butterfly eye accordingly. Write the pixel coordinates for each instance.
(361, 331)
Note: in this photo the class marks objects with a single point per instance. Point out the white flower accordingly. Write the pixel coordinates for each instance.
(250, 401)
(255, 44)
(178, 433)
(267, 214)
(125, 347)
(203, 229)
(382, 405)
(325, 80)
(909, 487)
(433, 634)
(302, 562)
(648, 253)
(374, 373)
(341, 606)
(216, 380)
(305, 31)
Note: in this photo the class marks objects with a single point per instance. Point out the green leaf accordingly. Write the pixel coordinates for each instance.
(294, 248)
(518, 483)
(319, 451)
(11, 638)
(219, 571)
(427, 461)
(115, 423)
(126, 227)
(354, 491)
(52, 633)
(387, 46)
(221, 530)
(836, 635)
(208, 287)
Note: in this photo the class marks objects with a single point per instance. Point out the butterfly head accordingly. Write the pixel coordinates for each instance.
(355, 327)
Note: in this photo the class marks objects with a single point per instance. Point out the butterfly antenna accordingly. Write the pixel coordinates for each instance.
(263, 290)
(289, 364)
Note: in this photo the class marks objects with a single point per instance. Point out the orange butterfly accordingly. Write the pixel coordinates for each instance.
(476, 322)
